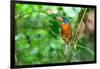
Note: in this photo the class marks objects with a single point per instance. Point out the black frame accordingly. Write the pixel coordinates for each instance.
(12, 33)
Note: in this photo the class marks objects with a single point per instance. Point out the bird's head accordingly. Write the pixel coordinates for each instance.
(64, 20)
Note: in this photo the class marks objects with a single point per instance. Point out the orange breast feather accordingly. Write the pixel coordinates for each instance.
(66, 31)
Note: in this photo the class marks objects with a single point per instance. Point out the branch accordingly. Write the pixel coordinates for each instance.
(79, 25)
(51, 31)
(21, 16)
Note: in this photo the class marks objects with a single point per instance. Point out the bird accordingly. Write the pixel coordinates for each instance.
(65, 29)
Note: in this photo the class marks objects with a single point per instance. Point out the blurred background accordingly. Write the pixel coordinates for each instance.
(38, 37)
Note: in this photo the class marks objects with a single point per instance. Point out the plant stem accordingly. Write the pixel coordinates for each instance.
(69, 56)
(79, 26)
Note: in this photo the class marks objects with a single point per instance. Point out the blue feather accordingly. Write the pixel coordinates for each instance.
(66, 20)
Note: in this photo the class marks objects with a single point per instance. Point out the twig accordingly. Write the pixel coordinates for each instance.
(79, 25)
(52, 31)
(73, 41)
(16, 60)
(87, 49)
(21, 16)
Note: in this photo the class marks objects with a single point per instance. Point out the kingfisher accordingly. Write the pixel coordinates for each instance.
(65, 29)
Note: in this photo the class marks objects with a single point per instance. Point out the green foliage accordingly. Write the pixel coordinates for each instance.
(38, 37)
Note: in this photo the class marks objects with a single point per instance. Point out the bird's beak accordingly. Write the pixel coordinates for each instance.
(60, 19)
